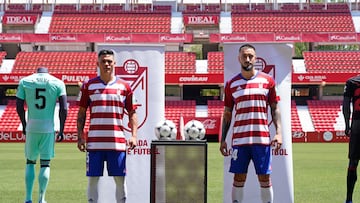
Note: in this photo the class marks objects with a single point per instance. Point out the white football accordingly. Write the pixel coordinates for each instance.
(166, 130)
(194, 130)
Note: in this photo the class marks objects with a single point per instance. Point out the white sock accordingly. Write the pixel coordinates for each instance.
(120, 189)
(237, 194)
(93, 193)
(44, 176)
(267, 194)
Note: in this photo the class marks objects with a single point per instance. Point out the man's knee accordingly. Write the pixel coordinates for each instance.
(353, 163)
(30, 161)
(44, 163)
(264, 180)
(239, 180)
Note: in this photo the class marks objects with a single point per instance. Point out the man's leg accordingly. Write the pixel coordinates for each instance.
(46, 147)
(239, 164)
(238, 188)
(95, 168)
(266, 189)
(44, 176)
(93, 192)
(262, 164)
(351, 179)
(29, 179)
(116, 165)
(120, 189)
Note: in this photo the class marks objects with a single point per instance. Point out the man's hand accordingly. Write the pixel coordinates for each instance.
(132, 142)
(276, 142)
(347, 131)
(59, 137)
(223, 149)
(81, 144)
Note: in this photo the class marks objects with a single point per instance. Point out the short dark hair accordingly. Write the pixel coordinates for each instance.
(247, 46)
(105, 52)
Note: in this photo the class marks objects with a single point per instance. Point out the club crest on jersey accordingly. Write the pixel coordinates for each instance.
(137, 77)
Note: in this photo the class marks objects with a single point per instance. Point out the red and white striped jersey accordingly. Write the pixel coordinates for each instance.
(251, 99)
(107, 103)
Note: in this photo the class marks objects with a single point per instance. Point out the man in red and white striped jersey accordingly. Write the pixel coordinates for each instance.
(250, 93)
(108, 97)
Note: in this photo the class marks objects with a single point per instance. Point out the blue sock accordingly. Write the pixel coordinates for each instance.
(44, 175)
(29, 180)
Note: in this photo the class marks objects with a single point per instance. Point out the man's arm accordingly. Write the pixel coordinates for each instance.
(62, 116)
(346, 113)
(275, 114)
(81, 118)
(21, 113)
(226, 121)
(133, 124)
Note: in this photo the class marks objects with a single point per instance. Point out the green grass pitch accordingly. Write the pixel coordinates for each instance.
(319, 174)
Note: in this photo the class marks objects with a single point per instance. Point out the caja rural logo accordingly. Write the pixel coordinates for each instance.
(138, 79)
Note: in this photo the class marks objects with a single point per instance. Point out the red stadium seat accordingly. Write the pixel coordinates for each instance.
(28, 62)
(324, 113)
(292, 21)
(149, 22)
(332, 61)
(180, 62)
(215, 62)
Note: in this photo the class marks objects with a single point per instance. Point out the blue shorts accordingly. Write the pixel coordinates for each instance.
(39, 144)
(259, 154)
(115, 161)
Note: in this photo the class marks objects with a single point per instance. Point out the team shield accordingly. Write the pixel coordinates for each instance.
(138, 79)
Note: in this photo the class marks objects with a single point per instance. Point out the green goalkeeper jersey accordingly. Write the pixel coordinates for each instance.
(40, 92)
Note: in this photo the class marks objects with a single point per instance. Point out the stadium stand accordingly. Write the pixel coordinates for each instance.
(71, 121)
(27, 62)
(59, 8)
(294, 21)
(91, 19)
(21, 8)
(332, 61)
(295, 120)
(324, 113)
(112, 8)
(201, 9)
(215, 108)
(175, 109)
(9, 120)
(2, 56)
(215, 62)
(180, 62)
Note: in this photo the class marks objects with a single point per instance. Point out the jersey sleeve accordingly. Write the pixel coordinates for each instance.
(273, 97)
(130, 101)
(228, 99)
(20, 93)
(84, 95)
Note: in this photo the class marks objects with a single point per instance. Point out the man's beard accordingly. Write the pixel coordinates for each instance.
(248, 68)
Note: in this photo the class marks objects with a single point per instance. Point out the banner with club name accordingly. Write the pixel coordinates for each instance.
(143, 67)
(275, 59)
